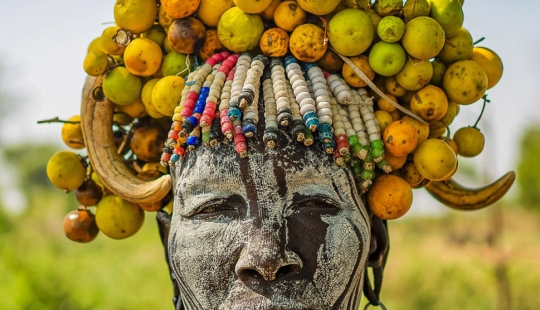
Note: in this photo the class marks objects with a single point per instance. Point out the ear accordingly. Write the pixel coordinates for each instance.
(164, 225)
(378, 252)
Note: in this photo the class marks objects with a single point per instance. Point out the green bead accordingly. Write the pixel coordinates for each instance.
(367, 174)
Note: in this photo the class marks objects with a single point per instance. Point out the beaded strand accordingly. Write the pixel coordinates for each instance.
(225, 122)
(339, 89)
(322, 98)
(270, 111)
(242, 66)
(301, 93)
(249, 98)
(279, 83)
(298, 128)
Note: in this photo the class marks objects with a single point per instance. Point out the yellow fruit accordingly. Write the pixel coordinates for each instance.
(439, 68)
(384, 118)
(421, 128)
(156, 33)
(395, 162)
(390, 197)
(415, 74)
(186, 35)
(350, 32)
(212, 45)
(415, 8)
(175, 63)
(164, 19)
(465, 82)
(122, 87)
(362, 62)
(154, 166)
(137, 16)
(449, 14)
(470, 141)
(435, 159)
(95, 46)
(411, 175)
(450, 114)
(390, 29)
(268, 13)
(118, 218)
(72, 133)
(288, 15)
(108, 44)
(274, 42)
(393, 87)
(490, 62)
(180, 8)
(147, 142)
(318, 7)
(252, 6)
(167, 93)
(232, 30)
(134, 110)
(66, 171)
(437, 129)
(458, 47)
(307, 43)
(400, 138)
(388, 7)
(95, 63)
(210, 11)
(423, 37)
(146, 97)
(142, 57)
(430, 103)
(383, 104)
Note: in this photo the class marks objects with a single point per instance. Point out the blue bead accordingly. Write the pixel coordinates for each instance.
(325, 127)
(325, 135)
(314, 121)
(234, 113)
(309, 115)
(289, 60)
(193, 120)
(175, 157)
(205, 90)
(249, 128)
(193, 140)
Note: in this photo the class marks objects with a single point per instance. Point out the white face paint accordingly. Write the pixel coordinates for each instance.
(278, 230)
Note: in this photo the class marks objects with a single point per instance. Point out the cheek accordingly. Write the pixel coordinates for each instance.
(203, 256)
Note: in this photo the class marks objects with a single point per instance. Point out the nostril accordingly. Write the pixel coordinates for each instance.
(246, 274)
(288, 270)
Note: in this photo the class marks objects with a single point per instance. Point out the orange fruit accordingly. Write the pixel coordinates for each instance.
(353, 79)
(411, 175)
(180, 8)
(400, 138)
(142, 57)
(268, 13)
(210, 11)
(435, 159)
(212, 45)
(164, 19)
(274, 42)
(430, 103)
(330, 62)
(289, 15)
(390, 197)
(395, 162)
(385, 105)
(307, 43)
(421, 128)
(252, 6)
(186, 35)
(108, 44)
(384, 118)
(490, 62)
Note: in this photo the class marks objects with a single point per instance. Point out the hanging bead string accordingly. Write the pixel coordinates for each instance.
(298, 128)
(270, 111)
(279, 83)
(301, 93)
(321, 94)
(249, 97)
(225, 122)
(242, 66)
(325, 136)
(372, 126)
(339, 88)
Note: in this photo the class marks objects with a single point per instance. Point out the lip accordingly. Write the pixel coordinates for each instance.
(261, 302)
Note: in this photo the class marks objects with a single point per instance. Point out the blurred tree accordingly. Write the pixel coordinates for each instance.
(528, 170)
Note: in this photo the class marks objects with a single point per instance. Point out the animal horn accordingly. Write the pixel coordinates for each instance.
(96, 120)
(459, 197)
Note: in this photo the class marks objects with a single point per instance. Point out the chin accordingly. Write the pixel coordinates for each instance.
(265, 303)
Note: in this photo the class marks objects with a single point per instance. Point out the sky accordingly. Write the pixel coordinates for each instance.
(43, 45)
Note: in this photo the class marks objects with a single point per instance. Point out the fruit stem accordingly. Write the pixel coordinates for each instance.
(479, 40)
(486, 100)
(57, 120)
(325, 22)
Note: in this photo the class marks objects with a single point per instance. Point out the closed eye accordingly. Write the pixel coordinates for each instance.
(218, 209)
(317, 204)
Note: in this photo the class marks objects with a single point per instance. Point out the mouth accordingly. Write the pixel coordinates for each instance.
(261, 302)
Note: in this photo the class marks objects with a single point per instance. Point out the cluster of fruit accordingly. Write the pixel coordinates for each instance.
(419, 62)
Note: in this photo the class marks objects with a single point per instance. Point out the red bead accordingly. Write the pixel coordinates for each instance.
(340, 138)
(224, 68)
(165, 157)
(217, 58)
(180, 151)
(237, 130)
(211, 61)
(337, 154)
(208, 113)
(225, 54)
(228, 62)
(173, 134)
(238, 138)
(206, 120)
(230, 76)
(211, 105)
(223, 113)
(226, 127)
(197, 115)
(241, 147)
(190, 103)
(193, 95)
(186, 112)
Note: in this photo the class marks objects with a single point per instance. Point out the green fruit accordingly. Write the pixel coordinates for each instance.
(350, 32)
(415, 8)
(122, 87)
(66, 171)
(470, 141)
(415, 74)
(95, 63)
(391, 29)
(439, 68)
(175, 63)
(156, 34)
(423, 37)
(386, 58)
(388, 7)
(458, 47)
(449, 14)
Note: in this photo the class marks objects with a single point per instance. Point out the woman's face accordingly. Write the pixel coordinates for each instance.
(277, 230)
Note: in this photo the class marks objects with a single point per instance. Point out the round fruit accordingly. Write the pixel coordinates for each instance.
(175, 63)
(210, 11)
(212, 45)
(430, 103)
(95, 46)
(95, 63)
(390, 29)
(164, 19)
(449, 14)
(390, 197)
(330, 62)
(415, 74)
(118, 218)
(387, 58)
(80, 226)
(89, 193)
(411, 175)
(470, 141)
(307, 43)
(252, 6)
(350, 32)
(157, 34)
(232, 30)
(288, 15)
(437, 129)
(142, 57)
(421, 128)
(186, 35)
(268, 13)
(434, 159)
(450, 114)
(133, 110)
(362, 62)
(400, 138)
(122, 87)
(146, 97)
(415, 8)
(167, 93)
(180, 8)
(274, 42)
(465, 82)
(72, 133)
(137, 16)
(147, 142)
(384, 118)
(108, 44)
(66, 171)
(393, 87)
(439, 68)
(388, 7)
(458, 47)
(385, 105)
(318, 7)
(423, 37)
(395, 162)
(490, 62)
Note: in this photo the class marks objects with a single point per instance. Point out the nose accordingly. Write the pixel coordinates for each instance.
(265, 257)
